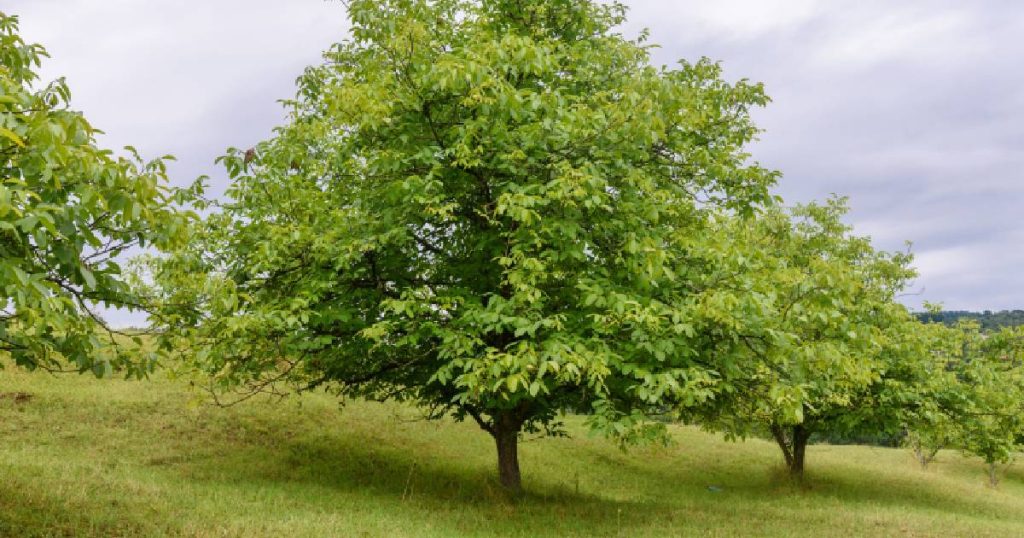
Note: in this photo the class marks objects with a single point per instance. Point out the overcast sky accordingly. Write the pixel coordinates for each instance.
(914, 109)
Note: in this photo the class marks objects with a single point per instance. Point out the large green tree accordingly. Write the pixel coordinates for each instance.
(482, 207)
(68, 209)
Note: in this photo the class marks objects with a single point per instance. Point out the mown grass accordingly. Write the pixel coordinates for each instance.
(87, 457)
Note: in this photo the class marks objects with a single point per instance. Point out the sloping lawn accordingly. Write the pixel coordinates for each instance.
(87, 457)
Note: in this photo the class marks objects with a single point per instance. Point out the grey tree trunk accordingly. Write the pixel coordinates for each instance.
(793, 443)
(993, 474)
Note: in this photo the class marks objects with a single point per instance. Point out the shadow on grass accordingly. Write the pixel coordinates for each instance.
(311, 464)
(422, 485)
(857, 485)
(352, 464)
(427, 482)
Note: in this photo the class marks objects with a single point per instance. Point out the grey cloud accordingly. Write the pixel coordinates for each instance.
(914, 109)
(186, 78)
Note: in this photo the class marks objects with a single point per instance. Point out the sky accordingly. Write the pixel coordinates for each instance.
(912, 109)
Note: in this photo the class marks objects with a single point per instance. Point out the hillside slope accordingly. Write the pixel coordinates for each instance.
(87, 457)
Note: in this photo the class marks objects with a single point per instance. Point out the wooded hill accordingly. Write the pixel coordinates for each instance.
(987, 319)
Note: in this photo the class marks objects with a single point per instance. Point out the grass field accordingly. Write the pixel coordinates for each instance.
(87, 457)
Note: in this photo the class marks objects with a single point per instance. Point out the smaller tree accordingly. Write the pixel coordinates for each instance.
(825, 339)
(935, 401)
(926, 444)
(991, 372)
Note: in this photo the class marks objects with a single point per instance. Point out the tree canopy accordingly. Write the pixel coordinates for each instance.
(485, 208)
(990, 421)
(68, 209)
(827, 348)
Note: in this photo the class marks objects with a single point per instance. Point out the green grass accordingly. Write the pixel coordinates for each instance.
(87, 457)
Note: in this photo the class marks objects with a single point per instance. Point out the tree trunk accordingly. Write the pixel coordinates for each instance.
(922, 458)
(507, 441)
(780, 438)
(919, 452)
(925, 454)
(993, 474)
(926, 458)
(504, 427)
(800, 437)
(793, 444)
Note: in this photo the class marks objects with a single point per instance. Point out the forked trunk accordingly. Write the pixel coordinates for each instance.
(924, 455)
(793, 443)
(919, 452)
(780, 438)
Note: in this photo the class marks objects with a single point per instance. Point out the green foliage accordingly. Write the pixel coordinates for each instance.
(482, 207)
(975, 401)
(827, 349)
(933, 404)
(991, 371)
(68, 209)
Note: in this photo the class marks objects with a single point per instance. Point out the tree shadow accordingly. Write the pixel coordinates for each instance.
(428, 477)
(846, 486)
(424, 485)
(351, 463)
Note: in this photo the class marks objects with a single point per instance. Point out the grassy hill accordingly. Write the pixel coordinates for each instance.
(87, 457)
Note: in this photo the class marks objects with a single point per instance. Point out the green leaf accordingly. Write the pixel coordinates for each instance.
(12, 136)
(87, 275)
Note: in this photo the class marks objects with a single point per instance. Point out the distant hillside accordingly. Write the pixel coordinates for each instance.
(988, 319)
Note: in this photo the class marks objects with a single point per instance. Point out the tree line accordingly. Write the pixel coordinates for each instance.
(988, 320)
(499, 211)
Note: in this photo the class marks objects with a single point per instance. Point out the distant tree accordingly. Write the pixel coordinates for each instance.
(991, 371)
(933, 404)
(987, 320)
(828, 347)
(926, 444)
(67, 210)
(482, 208)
